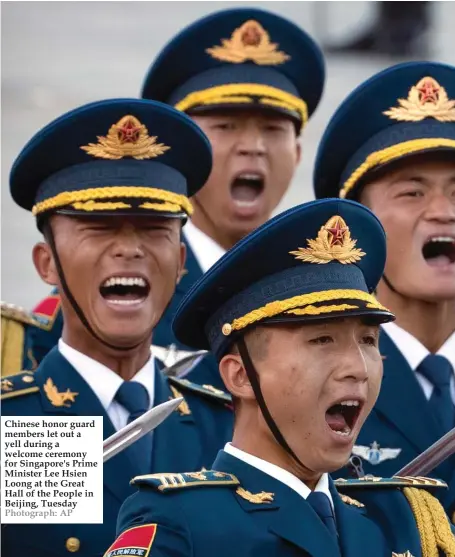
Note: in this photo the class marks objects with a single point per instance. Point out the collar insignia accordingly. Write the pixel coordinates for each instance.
(373, 454)
(7, 385)
(250, 41)
(407, 554)
(55, 397)
(427, 99)
(127, 138)
(333, 243)
(256, 498)
(182, 408)
(351, 501)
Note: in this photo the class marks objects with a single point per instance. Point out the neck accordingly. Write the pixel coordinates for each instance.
(262, 445)
(202, 220)
(431, 323)
(124, 363)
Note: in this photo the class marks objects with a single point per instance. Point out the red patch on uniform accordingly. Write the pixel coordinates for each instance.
(134, 541)
(48, 307)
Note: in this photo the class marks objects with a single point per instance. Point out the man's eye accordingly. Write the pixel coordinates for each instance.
(323, 339)
(224, 126)
(412, 193)
(372, 340)
(98, 227)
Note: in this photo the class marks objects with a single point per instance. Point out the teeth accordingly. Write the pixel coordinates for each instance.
(350, 403)
(344, 432)
(125, 281)
(125, 302)
(443, 239)
(248, 176)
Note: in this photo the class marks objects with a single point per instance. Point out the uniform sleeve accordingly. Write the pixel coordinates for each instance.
(151, 524)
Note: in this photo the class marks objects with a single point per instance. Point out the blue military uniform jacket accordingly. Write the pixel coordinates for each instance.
(189, 438)
(401, 421)
(206, 372)
(236, 509)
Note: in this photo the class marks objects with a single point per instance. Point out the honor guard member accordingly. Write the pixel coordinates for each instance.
(399, 159)
(109, 185)
(251, 80)
(296, 336)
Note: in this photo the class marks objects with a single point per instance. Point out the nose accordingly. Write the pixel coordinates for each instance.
(441, 208)
(353, 366)
(251, 142)
(127, 244)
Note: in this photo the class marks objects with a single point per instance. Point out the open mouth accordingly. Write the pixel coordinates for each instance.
(439, 251)
(246, 188)
(125, 290)
(342, 417)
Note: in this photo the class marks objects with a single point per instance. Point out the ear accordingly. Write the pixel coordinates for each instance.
(235, 377)
(182, 271)
(44, 263)
(298, 147)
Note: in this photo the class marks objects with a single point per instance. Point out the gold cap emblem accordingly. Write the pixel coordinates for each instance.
(427, 99)
(127, 138)
(250, 41)
(334, 243)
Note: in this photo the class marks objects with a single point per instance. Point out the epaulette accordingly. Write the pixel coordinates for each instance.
(15, 321)
(205, 390)
(18, 385)
(170, 482)
(18, 314)
(394, 481)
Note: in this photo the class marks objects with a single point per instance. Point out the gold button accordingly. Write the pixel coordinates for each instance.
(226, 329)
(73, 545)
(27, 379)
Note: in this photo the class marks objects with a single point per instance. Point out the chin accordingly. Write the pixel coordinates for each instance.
(435, 295)
(118, 337)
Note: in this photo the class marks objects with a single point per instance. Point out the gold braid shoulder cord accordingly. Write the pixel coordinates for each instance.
(432, 523)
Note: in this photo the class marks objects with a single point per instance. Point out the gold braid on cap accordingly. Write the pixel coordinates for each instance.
(85, 199)
(305, 306)
(391, 153)
(242, 93)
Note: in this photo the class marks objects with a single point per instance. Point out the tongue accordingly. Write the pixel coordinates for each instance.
(439, 261)
(244, 192)
(336, 421)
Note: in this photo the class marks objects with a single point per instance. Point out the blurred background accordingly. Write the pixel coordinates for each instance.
(59, 55)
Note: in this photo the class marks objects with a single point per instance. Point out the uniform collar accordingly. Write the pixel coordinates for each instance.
(103, 381)
(413, 350)
(205, 249)
(280, 474)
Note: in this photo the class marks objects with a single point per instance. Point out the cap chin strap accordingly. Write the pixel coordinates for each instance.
(50, 236)
(254, 380)
(389, 284)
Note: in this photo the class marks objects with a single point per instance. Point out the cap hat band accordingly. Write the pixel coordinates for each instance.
(391, 153)
(86, 199)
(242, 93)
